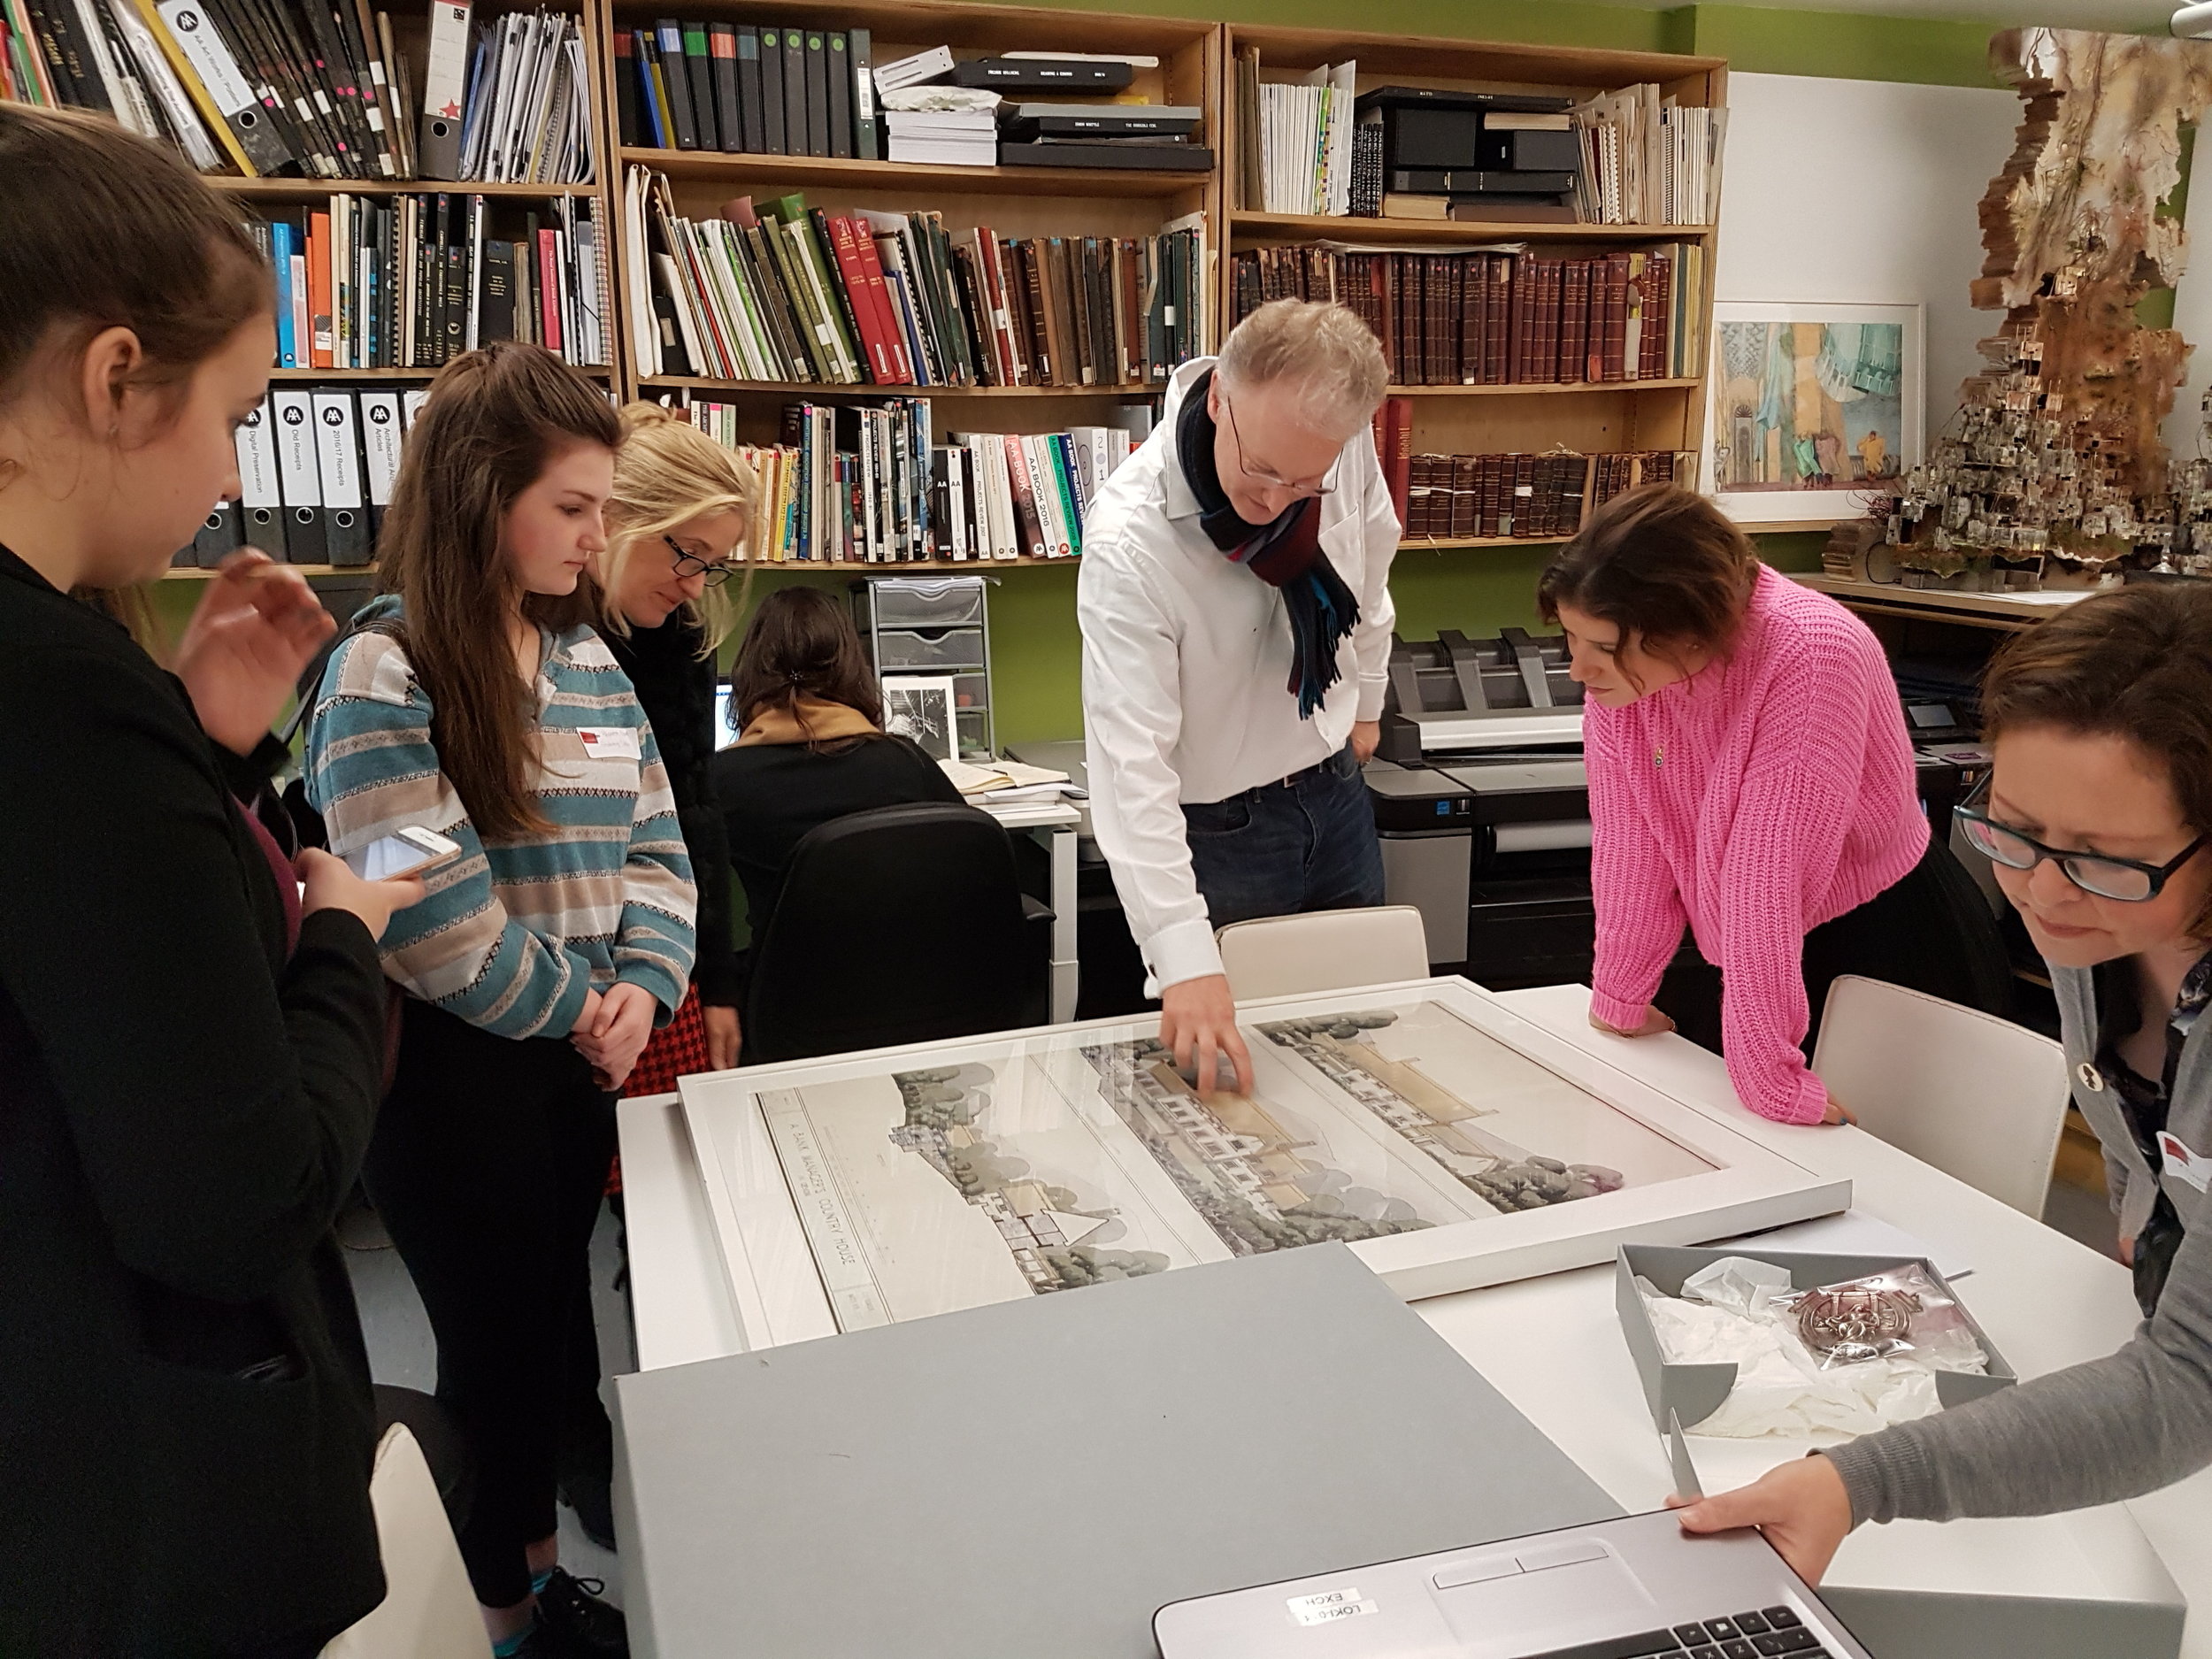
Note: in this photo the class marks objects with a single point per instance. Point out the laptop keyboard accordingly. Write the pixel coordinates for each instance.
(1769, 1633)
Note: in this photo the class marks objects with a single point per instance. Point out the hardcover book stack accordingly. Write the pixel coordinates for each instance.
(867, 484)
(271, 87)
(1153, 135)
(1491, 318)
(1460, 496)
(316, 465)
(747, 89)
(1615, 474)
(410, 281)
(783, 292)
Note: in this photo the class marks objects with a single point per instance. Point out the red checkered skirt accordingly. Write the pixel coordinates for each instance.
(678, 1048)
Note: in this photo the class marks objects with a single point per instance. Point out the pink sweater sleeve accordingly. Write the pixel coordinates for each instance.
(1787, 837)
(1639, 913)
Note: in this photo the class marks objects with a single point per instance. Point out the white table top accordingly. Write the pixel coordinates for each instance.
(1032, 814)
(1552, 1345)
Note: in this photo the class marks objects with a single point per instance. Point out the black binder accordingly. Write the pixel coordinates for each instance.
(301, 477)
(722, 52)
(750, 93)
(841, 94)
(866, 147)
(668, 36)
(817, 104)
(774, 141)
(260, 498)
(795, 119)
(699, 70)
(338, 458)
(216, 538)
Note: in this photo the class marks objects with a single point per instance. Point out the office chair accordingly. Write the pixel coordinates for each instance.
(905, 924)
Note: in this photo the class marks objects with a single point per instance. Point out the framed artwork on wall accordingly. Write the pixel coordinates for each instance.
(1814, 407)
(1447, 1141)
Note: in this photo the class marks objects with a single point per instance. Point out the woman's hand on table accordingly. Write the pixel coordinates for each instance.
(1802, 1508)
(1655, 1024)
(1837, 1112)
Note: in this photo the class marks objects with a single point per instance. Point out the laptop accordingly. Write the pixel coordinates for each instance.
(1637, 1588)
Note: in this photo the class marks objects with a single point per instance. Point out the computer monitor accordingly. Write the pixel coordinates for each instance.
(724, 734)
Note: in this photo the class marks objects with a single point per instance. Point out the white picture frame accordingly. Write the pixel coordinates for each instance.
(922, 707)
(1773, 361)
(779, 1293)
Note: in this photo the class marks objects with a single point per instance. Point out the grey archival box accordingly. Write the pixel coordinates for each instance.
(1033, 1478)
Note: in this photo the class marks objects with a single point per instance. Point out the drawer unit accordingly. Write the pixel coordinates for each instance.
(935, 625)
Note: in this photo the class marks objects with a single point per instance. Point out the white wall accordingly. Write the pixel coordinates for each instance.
(1866, 191)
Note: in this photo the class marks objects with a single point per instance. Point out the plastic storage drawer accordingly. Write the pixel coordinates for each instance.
(900, 604)
(904, 649)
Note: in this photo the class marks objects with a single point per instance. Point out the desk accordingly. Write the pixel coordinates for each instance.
(1060, 821)
(1553, 1347)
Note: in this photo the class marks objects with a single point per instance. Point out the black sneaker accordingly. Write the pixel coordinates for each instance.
(579, 1623)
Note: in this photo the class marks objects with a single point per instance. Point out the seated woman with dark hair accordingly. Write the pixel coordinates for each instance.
(811, 745)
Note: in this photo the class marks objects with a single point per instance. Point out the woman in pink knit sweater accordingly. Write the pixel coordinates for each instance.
(1749, 776)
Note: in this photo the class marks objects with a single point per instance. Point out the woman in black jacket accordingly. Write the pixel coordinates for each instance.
(812, 746)
(191, 1045)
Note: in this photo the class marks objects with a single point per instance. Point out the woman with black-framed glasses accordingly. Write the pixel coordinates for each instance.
(2097, 817)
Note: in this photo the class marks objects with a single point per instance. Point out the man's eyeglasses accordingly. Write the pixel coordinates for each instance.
(2127, 880)
(688, 564)
(1268, 480)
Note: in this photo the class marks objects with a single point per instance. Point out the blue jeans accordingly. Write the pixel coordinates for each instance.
(1279, 849)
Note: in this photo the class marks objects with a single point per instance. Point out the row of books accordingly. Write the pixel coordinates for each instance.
(316, 465)
(779, 291)
(1489, 318)
(410, 281)
(1297, 138)
(1648, 159)
(271, 87)
(867, 484)
(744, 87)
(1461, 496)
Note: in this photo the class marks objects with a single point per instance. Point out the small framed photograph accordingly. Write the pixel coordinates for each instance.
(1816, 407)
(920, 707)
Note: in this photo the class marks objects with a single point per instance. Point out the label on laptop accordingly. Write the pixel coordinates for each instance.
(609, 743)
(1329, 1606)
(2181, 1161)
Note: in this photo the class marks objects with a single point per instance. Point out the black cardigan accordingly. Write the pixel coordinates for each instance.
(772, 793)
(675, 687)
(182, 1111)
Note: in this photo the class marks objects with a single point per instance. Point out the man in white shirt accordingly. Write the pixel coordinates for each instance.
(1236, 614)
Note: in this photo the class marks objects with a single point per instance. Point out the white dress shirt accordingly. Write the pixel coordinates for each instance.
(1187, 660)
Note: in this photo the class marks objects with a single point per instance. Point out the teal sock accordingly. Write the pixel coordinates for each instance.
(513, 1644)
(539, 1580)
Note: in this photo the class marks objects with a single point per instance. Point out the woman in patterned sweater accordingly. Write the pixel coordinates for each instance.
(475, 700)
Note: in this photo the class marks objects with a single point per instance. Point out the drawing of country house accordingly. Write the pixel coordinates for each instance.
(1043, 1230)
(1239, 1166)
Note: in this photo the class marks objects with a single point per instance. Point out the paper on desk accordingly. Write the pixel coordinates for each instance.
(1002, 777)
(1855, 1233)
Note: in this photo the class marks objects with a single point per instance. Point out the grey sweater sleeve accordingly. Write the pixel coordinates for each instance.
(2094, 1433)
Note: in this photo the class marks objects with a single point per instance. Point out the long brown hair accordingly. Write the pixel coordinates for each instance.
(1663, 565)
(801, 643)
(495, 420)
(106, 229)
(2134, 665)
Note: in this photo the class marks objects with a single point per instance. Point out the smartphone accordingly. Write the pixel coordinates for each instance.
(401, 853)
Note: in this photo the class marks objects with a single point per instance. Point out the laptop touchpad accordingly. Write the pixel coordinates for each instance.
(1540, 1590)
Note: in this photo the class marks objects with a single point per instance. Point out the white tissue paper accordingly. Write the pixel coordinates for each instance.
(1727, 1315)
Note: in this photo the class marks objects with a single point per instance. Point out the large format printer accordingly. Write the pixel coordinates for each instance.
(1483, 806)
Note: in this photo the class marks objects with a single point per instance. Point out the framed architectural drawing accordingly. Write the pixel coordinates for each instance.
(1814, 407)
(1450, 1142)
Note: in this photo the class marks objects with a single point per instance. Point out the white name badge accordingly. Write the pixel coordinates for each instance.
(609, 743)
(2192, 1168)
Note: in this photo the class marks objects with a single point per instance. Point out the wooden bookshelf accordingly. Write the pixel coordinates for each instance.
(1633, 415)
(318, 189)
(920, 180)
(597, 370)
